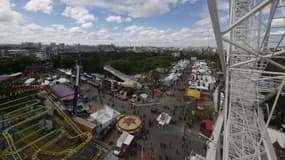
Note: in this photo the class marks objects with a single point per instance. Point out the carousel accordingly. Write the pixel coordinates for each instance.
(129, 123)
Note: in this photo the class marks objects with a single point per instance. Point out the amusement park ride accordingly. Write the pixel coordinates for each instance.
(253, 41)
(34, 127)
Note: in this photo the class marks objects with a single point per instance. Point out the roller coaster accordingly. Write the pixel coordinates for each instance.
(33, 126)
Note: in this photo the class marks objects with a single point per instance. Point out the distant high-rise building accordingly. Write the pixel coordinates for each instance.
(61, 46)
(28, 45)
(39, 46)
(53, 44)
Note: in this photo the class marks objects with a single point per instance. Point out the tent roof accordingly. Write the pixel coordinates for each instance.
(30, 80)
(4, 77)
(62, 90)
(104, 115)
(163, 118)
(276, 136)
(63, 80)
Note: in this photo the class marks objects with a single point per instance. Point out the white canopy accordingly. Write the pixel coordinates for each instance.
(276, 136)
(104, 115)
(29, 81)
(163, 119)
(15, 74)
(65, 71)
(63, 80)
(46, 82)
(143, 95)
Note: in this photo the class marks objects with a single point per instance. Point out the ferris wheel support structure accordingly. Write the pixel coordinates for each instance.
(253, 40)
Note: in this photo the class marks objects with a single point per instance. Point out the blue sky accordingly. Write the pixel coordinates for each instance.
(180, 23)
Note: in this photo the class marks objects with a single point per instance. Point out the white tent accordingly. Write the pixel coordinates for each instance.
(46, 82)
(29, 81)
(143, 95)
(163, 119)
(104, 116)
(63, 80)
(66, 71)
(15, 74)
(276, 136)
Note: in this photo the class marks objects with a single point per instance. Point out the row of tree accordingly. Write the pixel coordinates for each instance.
(127, 62)
(17, 64)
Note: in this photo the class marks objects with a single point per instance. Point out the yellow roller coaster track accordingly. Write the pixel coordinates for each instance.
(60, 111)
(69, 151)
(23, 115)
(18, 104)
(15, 100)
(9, 138)
(73, 125)
(27, 115)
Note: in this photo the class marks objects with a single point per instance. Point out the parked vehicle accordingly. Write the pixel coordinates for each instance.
(123, 143)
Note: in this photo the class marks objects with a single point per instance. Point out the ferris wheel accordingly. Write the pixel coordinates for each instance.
(249, 49)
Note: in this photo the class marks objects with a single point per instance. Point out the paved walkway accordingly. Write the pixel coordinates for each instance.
(167, 143)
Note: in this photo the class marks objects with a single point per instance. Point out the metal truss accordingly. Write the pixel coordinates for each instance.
(252, 40)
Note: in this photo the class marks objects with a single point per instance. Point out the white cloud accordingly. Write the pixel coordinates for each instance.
(7, 15)
(76, 30)
(223, 5)
(152, 8)
(131, 35)
(32, 28)
(87, 25)
(188, 1)
(266, 10)
(133, 28)
(139, 35)
(58, 28)
(104, 34)
(16, 32)
(117, 19)
(278, 22)
(52, 33)
(224, 19)
(81, 15)
(128, 19)
(134, 8)
(277, 33)
(204, 22)
(45, 6)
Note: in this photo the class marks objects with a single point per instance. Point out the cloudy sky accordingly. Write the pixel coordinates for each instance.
(121, 22)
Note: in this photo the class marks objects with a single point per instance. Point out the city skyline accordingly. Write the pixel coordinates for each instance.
(162, 23)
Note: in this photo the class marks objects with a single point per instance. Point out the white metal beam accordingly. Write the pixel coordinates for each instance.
(268, 27)
(258, 58)
(212, 5)
(256, 54)
(246, 16)
(245, 77)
